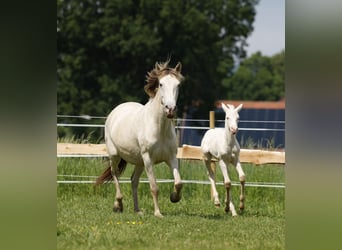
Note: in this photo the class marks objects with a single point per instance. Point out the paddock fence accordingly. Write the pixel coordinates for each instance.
(184, 152)
(187, 152)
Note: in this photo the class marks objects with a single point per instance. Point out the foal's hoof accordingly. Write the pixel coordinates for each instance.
(174, 197)
(158, 215)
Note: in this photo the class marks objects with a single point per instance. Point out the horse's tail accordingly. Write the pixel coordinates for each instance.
(107, 175)
(121, 167)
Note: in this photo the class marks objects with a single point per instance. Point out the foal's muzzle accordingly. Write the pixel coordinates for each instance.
(234, 130)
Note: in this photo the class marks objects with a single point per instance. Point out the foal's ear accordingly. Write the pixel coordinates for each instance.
(224, 107)
(178, 67)
(238, 108)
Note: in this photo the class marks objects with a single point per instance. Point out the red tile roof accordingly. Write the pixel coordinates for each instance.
(254, 104)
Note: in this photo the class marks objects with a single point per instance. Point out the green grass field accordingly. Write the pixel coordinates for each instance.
(85, 219)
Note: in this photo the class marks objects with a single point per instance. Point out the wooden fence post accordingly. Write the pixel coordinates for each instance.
(213, 164)
(212, 119)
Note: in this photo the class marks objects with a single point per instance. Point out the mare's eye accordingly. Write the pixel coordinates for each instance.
(160, 85)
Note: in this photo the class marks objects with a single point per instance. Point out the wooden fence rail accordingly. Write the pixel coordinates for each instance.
(185, 152)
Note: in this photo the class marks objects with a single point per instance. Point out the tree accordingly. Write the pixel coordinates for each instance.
(258, 78)
(106, 47)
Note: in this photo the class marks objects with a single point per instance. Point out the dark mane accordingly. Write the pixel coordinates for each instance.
(160, 70)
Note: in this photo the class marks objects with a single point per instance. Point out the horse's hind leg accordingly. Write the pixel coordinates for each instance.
(227, 184)
(118, 206)
(211, 177)
(242, 182)
(135, 182)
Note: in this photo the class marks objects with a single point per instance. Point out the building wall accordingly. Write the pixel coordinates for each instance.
(250, 118)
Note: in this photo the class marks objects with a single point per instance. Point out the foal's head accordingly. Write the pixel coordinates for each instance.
(232, 117)
(166, 80)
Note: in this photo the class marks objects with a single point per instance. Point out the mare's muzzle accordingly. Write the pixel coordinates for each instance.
(170, 111)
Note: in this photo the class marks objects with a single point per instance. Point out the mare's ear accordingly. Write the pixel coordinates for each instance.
(157, 66)
(224, 107)
(178, 67)
(238, 108)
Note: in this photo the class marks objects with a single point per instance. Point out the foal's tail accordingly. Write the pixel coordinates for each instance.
(107, 175)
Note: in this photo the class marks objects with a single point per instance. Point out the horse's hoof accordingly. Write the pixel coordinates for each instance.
(226, 209)
(217, 205)
(118, 206)
(117, 210)
(158, 215)
(140, 213)
(174, 197)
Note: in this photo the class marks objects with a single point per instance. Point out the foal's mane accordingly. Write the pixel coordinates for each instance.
(153, 77)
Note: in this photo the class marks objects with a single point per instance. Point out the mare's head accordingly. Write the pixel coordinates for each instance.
(232, 117)
(166, 80)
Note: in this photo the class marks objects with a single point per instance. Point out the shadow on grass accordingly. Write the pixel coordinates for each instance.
(209, 213)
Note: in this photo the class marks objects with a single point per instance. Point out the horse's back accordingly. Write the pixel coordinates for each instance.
(121, 111)
(214, 142)
(212, 137)
(122, 116)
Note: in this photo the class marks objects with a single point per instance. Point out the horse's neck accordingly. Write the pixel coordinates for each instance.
(156, 114)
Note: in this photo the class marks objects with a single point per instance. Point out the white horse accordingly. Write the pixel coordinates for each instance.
(144, 135)
(221, 144)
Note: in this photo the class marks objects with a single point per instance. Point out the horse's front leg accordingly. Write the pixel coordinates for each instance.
(153, 183)
(227, 184)
(135, 182)
(242, 182)
(176, 195)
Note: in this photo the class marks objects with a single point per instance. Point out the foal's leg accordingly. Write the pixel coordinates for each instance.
(227, 184)
(135, 182)
(211, 177)
(118, 206)
(242, 182)
(153, 183)
(176, 195)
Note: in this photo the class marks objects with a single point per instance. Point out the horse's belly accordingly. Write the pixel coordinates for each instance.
(132, 158)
